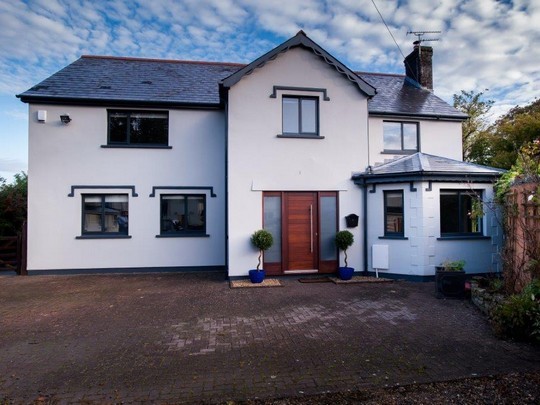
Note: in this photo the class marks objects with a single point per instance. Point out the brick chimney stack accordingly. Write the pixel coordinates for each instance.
(419, 65)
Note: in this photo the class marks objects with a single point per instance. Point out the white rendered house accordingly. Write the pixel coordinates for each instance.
(172, 165)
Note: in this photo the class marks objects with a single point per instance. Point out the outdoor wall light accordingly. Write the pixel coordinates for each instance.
(65, 118)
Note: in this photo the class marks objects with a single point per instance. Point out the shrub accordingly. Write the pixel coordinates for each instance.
(518, 317)
(262, 240)
(344, 239)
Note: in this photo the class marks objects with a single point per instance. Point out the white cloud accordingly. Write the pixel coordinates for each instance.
(484, 43)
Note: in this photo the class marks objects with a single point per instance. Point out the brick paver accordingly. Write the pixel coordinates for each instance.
(189, 337)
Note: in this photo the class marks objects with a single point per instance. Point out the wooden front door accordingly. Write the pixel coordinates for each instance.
(303, 225)
(301, 238)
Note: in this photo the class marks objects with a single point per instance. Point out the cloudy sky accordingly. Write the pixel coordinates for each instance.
(484, 44)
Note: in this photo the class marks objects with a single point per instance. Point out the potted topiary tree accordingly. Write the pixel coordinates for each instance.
(344, 239)
(450, 279)
(262, 240)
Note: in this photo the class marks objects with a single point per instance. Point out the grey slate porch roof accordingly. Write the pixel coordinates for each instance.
(421, 166)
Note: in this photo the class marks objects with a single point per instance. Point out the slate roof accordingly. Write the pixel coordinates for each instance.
(111, 80)
(423, 165)
(146, 81)
(397, 95)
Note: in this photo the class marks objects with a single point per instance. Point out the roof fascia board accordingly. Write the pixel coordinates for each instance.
(115, 103)
(300, 39)
(361, 178)
(434, 117)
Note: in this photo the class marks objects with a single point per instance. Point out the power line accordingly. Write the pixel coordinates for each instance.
(390, 32)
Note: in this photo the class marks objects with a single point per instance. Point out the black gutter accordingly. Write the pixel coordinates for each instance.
(417, 116)
(99, 102)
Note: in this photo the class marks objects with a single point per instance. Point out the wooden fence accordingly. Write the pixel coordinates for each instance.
(523, 235)
(13, 253)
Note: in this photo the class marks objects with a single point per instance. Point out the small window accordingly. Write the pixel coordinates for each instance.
(393, 213)
(301, 116)
(142, 128)
(461, 212)
(400, 137)
(183, 214)
(105, 214)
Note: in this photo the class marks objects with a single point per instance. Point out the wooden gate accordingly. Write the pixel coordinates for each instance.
(13, 253)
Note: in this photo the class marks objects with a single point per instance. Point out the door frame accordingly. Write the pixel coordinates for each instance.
(326, 266)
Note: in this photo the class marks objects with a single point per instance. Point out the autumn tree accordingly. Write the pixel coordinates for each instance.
(474, 128)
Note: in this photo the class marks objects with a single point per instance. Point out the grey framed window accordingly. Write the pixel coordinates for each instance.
(461, 212)
(105, 214)
(393, 213)
(138, 128)
(300, 115)
(400, 137)
(183, 214)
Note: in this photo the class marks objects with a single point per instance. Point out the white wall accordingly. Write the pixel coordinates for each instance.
(64, 155)
(259, 161)
(439, 138)
(423, 250)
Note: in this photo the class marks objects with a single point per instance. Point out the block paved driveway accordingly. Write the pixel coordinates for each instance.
(188, 337)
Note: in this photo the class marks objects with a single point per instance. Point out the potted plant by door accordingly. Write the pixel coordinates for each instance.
(344, 239)
(450, 279)
(262, 240)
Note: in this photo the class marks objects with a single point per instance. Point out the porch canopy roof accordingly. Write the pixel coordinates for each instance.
(422, 166)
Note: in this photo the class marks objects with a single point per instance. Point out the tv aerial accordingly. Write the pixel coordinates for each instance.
(420, 36)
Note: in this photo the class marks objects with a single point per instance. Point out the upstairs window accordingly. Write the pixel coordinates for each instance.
(400, 137)
(393, 213)
(138, 128)
(461, 212)
(300, 116)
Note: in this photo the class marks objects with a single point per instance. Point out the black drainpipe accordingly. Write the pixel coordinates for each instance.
(364, 224)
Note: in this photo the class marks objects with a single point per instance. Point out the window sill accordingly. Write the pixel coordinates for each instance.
(136, 146)
(394, 237)
(465, 237)
(398, 152)
(184, 235)
(300, 136)
(103, 237)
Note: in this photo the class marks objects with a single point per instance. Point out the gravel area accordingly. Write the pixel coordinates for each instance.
(515, 388)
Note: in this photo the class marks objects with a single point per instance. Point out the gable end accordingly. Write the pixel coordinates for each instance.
(300, 40)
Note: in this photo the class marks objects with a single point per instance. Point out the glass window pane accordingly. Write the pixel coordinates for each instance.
(195, 213)
(392, 135)
(272, 223)
(328, 225)
(290, 116)
(118, 127)
(394, 212)
(410, 136)
(172, 213)
(148, 129)
(449, 212)
(309, 116)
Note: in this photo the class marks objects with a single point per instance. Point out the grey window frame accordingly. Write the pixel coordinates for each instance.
(128, 142)
(184, 232)
(402, 150)
(386, 232)
(301, 133)
(460, 192)
(101, 234)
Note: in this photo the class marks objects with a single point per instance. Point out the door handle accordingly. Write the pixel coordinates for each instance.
(311, 227)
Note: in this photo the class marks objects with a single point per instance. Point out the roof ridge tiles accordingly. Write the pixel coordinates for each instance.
(358, 72)
(138, 59)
